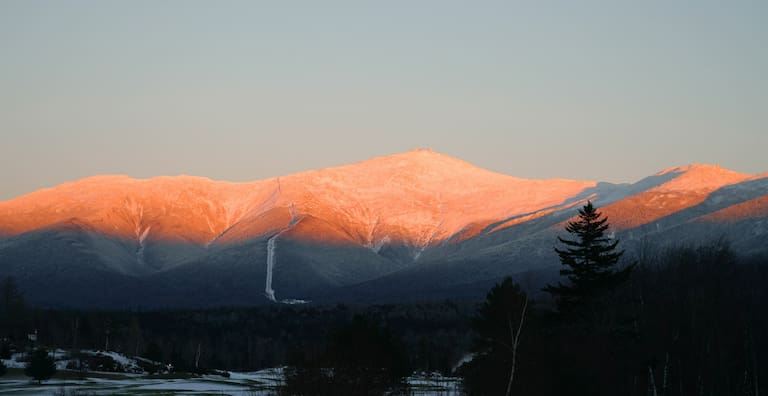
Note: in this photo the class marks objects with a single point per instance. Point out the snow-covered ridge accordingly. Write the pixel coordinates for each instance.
(418, 199)
(700, 176)
(322, 231)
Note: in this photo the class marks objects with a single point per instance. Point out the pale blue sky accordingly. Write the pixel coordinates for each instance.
(240, 91)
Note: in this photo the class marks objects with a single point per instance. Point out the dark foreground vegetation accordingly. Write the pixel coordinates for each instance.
(688, 321)
(245, 339)
(683, 321)
(678, 321)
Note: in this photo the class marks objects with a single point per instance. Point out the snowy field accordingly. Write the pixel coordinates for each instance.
(239, 384)
(132, 380)
(260, 383)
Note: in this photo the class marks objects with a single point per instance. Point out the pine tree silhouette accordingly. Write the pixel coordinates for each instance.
(589, 261)
(41, 365)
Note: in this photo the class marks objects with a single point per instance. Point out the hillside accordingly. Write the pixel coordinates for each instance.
(418, 223)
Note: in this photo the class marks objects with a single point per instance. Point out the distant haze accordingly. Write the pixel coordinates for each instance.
(238, 90)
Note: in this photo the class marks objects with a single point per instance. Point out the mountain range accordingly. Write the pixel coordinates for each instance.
(405, 227)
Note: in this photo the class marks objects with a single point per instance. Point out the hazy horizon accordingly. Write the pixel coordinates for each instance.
(243, 91)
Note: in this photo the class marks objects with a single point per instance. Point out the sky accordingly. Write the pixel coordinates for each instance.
(246, 90)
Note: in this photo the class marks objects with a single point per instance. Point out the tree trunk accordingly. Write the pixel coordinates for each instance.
(754, 361)
(197, 356)
(664, 378)
(515, 343)
(651, 383)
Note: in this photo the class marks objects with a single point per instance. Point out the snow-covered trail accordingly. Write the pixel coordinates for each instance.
(268, 290)
(271, 245)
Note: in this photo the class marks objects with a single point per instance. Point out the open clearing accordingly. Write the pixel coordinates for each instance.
(259, 383)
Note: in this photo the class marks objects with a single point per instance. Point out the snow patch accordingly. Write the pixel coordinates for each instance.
(16, 361)
(464, 359)
(130, 365)
(434, 232)
(380, 244)
(140, 250)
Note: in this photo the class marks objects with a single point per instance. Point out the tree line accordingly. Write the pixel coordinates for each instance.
(687, 320)
(435, 334)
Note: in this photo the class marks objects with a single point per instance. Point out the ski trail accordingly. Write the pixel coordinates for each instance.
(269, 292)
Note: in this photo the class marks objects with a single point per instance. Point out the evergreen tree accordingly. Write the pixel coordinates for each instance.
(498, 324)
(5, 349)
(12, 309)
(41, 366)
(154, 352)
(589, 261)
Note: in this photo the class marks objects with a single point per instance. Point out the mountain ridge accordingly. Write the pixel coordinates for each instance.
(424, 174)
(406, 217)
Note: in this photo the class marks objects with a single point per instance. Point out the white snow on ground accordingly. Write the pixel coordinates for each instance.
(270, 375)
(465, 359)
(16, 361)
(19, 360)
(191, 385)
(258, 383)
(63, 358)
(23, 387)
(434, 384)
(294, 301)
(128, 364)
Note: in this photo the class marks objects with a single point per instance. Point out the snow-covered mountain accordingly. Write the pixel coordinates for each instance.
(409, 225)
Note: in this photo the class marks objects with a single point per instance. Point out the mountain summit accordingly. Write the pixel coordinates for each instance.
(383, 221)
(416, 198)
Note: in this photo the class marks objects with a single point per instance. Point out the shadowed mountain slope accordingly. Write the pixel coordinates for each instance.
(398, 225)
